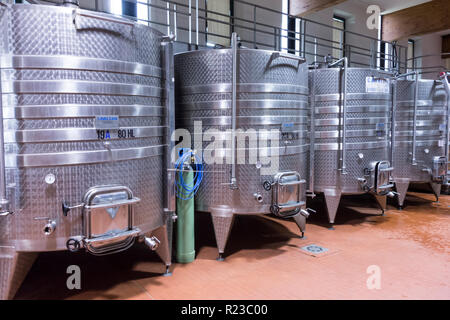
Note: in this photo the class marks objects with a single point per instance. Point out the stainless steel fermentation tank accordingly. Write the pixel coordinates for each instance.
(351, 128)
(86, 110)
(245, 89)
(420, 134)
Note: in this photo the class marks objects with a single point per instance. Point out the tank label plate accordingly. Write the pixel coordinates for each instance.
(107, 122)
(376, 85)
(115, 134)
(288, 127)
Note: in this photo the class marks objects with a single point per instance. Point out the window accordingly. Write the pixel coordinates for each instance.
(338, 37)
(129, 8)
(284, 26)
(410, 55)
(143, 12)
(116, 7)
(218, 25)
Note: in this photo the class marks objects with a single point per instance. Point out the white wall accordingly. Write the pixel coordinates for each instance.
(263, 17)
(355, 15)
(353, 10)
(430, 44)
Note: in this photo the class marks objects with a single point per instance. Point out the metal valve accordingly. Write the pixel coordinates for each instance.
(307, 212)
(152, 243)
(73, 245)
(50, 227)
(258, 197)
(392, 194)
(364, 184)
(66, 208)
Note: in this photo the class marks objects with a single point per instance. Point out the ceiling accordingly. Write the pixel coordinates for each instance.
(388, 6)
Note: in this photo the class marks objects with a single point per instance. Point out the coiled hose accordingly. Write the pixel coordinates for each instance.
(188, 157)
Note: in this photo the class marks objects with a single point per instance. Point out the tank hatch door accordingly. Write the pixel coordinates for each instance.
(108, 219)
(439, 169)
(381, 177)
(288, 194)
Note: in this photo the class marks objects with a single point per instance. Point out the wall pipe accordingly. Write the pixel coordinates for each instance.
(234, 45)
(344, 112)
(4, 202)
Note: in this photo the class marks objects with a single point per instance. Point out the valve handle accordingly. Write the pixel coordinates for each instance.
(73, 245)
(65, 209)
(267, 185)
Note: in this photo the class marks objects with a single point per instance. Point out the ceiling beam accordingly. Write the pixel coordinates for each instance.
(304, 7)
(421, 19)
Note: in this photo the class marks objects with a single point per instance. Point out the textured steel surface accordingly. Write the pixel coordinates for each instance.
(364, 111)
(222, 227)
(332, 199)
(101, 67)
(430, 122)
(270, 93)
(14, 267)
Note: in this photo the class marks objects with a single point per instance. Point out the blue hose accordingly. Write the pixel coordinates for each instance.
(187, 191)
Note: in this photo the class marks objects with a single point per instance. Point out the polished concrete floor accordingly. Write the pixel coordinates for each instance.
(408, 249)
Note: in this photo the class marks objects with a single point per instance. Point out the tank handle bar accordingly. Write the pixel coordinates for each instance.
(81, 21)
(113, 204)
(278, 54)
(93, 16)
(403, 75)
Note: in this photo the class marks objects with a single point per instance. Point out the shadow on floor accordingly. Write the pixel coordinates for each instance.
(248, 232)
(47, 278)
(418, 198)
(353, 210)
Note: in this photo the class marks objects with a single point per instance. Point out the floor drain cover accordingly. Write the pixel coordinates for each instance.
(313, 248)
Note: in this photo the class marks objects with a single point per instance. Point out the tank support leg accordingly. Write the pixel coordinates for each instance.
(222, 222)
(381, 201)
(300, 220)
(436, 187)
(332, 199)
(14, 267)
(402, 189)
(164, 250)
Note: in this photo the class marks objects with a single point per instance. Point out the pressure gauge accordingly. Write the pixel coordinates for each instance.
(50, 178)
